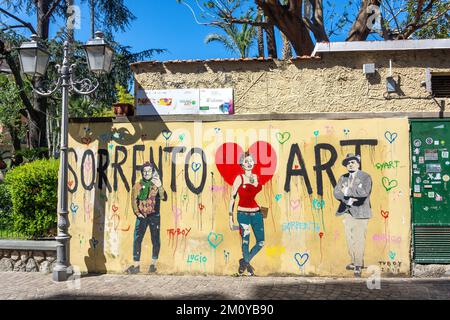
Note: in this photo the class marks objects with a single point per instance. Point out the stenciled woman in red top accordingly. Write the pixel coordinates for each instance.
(249, 213)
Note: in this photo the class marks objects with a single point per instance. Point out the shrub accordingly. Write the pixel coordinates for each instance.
(5, 207)
(33, 189)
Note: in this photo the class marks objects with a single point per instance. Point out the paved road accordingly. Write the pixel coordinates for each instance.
(16, 285)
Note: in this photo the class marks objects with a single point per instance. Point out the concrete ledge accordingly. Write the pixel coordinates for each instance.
(270, 116)
(28, 245)
(431, 271)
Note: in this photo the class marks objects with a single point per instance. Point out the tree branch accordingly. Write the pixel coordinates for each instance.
(232, 20)
(52, 8)
(414, 27)
(25, 24)
(18, 80)
(12, 27)
(295, 6)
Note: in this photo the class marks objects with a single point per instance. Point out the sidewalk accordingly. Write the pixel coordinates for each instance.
(16, 285)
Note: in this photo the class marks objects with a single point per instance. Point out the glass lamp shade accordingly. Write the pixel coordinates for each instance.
(34, 57)
(99, 54)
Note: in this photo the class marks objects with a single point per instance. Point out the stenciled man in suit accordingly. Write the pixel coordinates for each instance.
(353, 191)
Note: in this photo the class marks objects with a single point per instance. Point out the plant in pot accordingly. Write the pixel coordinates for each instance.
(125, 102)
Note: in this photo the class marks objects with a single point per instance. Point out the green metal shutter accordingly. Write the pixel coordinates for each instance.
(430, 186)
(431, 244)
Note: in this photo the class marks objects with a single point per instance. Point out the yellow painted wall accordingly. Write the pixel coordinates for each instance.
(102, 222)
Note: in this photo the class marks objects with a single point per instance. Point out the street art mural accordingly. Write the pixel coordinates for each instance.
(299, 197)
(353, 192)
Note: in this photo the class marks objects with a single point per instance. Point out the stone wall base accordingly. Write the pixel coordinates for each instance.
(431, 270)
(27, 261)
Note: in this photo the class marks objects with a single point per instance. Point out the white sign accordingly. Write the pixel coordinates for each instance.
(184, 101)
(216, 101)
(162, 102)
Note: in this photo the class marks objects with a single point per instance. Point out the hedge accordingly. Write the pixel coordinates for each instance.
(33, 189)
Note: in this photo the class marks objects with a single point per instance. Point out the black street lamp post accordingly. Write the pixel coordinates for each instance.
(34, 59)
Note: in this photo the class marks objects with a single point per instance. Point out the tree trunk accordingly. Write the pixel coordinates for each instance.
(289, 22)
(92, 7)
(270, 38)
(37, 121)
(260, 35)
(70, 30)
(286, 53)
(315, 21)
(17, 159)
(360, 29)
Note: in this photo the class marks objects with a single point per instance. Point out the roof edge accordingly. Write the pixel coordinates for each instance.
(155, 62)
(382, 45)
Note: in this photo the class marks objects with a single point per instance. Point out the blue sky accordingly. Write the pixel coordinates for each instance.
(164, 24)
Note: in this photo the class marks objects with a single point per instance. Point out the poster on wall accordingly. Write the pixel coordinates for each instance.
(163, 102)
(216, 101)
(184, 101)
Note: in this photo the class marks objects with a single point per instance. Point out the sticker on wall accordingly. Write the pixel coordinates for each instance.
(416, 188)
(436, 143)
(416, 151)
(418, 180)
(417, 143)
(433, 168)
(428, 186)
(447, 163)
(421, 160)
(431, 194)
(417, 195)
(445, 177)
(431, 155)
(436, 178)
(414, 166)
(445, 154)
(429, 140)
(438, 197)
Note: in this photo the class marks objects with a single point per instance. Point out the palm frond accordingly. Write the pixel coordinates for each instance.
(224, 40)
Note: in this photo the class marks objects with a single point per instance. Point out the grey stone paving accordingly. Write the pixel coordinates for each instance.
(17, 285)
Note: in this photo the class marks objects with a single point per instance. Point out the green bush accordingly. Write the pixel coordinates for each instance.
(5, 207)
(33, 189)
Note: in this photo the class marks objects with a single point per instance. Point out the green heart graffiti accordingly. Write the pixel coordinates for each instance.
(283, 137)
(389, 184)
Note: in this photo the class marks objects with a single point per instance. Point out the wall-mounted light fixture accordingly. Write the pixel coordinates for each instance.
(391, 84)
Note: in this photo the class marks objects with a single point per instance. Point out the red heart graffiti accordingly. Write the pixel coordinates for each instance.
(385, 214)
(320, 235)
(86, 140)
(114, 208)
(70, 183)
(296, 166)
(201, 206)
(227, 161)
